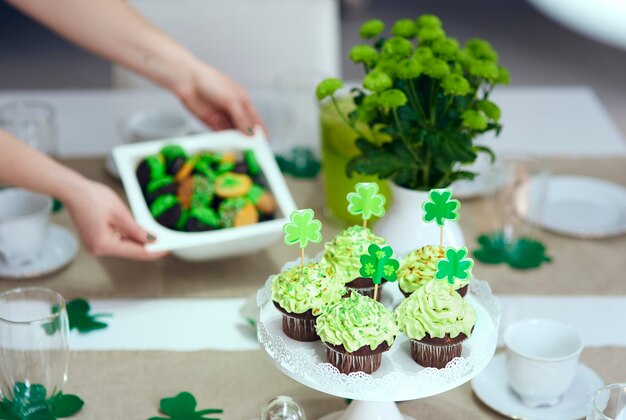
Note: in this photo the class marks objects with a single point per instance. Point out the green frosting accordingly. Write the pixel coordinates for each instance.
(156, 166)
(420, 266)
(311, 287)
(155, 184)
(253, 164)
(202, 192)
(163, 204)
(344, 252)
(224, 167)
(431, 309)
(255, 193)
(355, 322)
(204, 168)
(205, 215)
(172, 152)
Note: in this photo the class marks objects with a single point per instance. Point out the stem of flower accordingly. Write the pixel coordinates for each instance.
(343, 117)
(415, 99)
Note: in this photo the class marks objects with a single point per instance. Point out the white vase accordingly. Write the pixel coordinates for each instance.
(404, 229)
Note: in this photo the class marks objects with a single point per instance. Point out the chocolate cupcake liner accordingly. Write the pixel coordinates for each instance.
(365, 287)
(348, 363)
(433, 355)
(300, 329)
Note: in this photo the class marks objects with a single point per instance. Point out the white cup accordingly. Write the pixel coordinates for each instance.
(157, 124)
(541, 359)
(24, 222)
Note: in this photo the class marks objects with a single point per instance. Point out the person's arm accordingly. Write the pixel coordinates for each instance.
(114, 30)
(105, 225)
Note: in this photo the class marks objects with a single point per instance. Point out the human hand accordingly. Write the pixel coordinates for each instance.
(105, 224)
(218, 100)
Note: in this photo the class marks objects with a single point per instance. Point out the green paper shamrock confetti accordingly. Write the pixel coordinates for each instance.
(523, 253)
(366, 201)
(30, 403)
(183, 407)
(378, 264)
(300, 162)
(80, 319)
(440, 207)
(303, 228)
(454, 265)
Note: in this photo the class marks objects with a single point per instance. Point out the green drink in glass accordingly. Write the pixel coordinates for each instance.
(337, 149)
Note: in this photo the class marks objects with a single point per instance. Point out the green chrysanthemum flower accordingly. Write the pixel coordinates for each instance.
(430, 33)
(484, 69)
(370, 101)
(422, 54)
(393, 98)
(436, 68)
(372, 28)
(446, 47)
(474, 120)
(327, 87)
(364, 54)
(377, 81)
(427, 20)
(481, 49)
(405, 28)
(398, 47)
(504, 78)
(456, 85)
(387, 65)
(408, 68)
(491, 110)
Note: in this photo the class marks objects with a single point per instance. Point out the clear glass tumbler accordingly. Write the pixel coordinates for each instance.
(283, 408)
(34, 351)
(31, 121)
(609, 403)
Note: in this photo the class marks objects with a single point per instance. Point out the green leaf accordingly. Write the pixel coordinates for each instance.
(440, 207)
(183, 407)
(454, 266)
(303, 228)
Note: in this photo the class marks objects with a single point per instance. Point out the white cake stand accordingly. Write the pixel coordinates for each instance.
(399, 377)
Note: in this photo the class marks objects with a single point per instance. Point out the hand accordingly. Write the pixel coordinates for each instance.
(218, 100)
(106, 226)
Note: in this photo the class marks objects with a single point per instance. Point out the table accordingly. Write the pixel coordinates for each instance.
(128, 384)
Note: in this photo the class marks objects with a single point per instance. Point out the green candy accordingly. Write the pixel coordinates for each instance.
(156, 166)
(228, 210)
(155, 184)
(172, 152)
(163, 204)
(255, 193)
(205, 215)
(253, 165)
(224, 167)
(203, 191)
(204, 168)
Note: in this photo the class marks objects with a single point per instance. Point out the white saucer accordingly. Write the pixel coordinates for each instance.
(59, 249)
(491, 387)
(580, 206)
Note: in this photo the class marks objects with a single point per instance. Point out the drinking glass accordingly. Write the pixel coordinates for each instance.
(283, 408)
(338, 147)
(32, 122)
(34, 352)
(609, 403)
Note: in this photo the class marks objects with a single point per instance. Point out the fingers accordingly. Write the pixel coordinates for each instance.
(255, 117)
(126, 225)
(240, 117)
(126, 248)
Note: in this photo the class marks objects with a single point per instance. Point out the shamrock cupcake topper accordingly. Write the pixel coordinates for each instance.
(440, 207)
(302, 229)
(378, 264)
(454, 266)
(366, 201)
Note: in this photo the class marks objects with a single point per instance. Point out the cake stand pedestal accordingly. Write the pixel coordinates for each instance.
(399, 377)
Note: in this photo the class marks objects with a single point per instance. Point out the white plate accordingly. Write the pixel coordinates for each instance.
(198, 246)
(59, 249)
(491, 387)
(580, 206)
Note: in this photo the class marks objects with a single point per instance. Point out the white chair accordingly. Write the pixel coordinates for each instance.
(256, 42)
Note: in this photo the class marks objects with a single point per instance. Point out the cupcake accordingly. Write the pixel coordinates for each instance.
(344, 253)
(419, 267)
(300, 293)
(356, 332)
(436, 322)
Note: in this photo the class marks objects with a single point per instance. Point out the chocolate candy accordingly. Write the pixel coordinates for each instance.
(167, 211)
(160, 186)
(175, 158)
(237, 212)
(263, 200)
(196, 191)
(150, 168)
(201, 220)
(230, 185)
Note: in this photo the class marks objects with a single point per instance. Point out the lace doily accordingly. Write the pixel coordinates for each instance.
(405, 383)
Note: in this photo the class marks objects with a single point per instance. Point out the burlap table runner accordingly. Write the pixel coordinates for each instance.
(129, 385)
(580, 267)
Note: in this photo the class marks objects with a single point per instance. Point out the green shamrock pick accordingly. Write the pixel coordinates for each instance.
(440, 207)
(454, 266)
(378, 264)
(29, 402)
(302, 229)
(366, 201)
(183, 407)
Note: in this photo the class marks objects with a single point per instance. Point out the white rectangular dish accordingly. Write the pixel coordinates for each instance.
(198, 246)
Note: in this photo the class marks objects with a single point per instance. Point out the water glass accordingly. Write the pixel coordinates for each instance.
(34, 350)
(32, 122)
(609, 403)
(283, 408)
